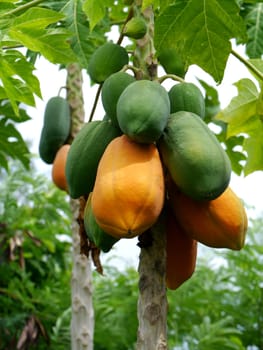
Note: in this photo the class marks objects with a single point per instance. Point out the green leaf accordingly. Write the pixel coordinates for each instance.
(37, 17)
(241, 108)
(19, 83)
(19, 66)
(202, 30)
(253, 145)
(5, 19)
(212, 103)
(7, 1)
(236, 157)
(258, 64)
(254, 22)
(153, 3)
(83, 42)
(95, 11)
(30, 29)
(12, 145)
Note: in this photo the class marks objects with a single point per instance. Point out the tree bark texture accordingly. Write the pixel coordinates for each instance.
(82, 320)
(152, 302)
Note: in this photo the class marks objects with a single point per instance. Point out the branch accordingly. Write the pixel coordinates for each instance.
(248, 64)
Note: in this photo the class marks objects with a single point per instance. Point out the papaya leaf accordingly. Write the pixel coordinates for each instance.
(8, 1)
(95, 11)
(37, 17)
(30, 29)
(6, 5)
(18, 81)
(233, 147)
(212, 103)
(241, 108)
(254, 22)
(153, 3)
(258, 64)
(253, 145)
(55, 5)
(83, 41)
(236, 157)
(203, 30)
(19, 66)
(3, 95)
(7, 111)
(254, 149)
(12, 145)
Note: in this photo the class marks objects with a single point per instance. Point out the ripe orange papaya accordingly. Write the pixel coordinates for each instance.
(181, 253)
(128, 194)
(59, 166)
(218, 223)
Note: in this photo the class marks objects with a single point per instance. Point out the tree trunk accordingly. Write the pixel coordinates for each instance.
(152, 302)
(82, 321)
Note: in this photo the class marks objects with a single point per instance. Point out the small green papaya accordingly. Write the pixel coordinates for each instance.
(187, 97)
(143, 109)
(106, 60)
(171, 61)
(56, 128)
(84, 155)
(193, 156)
(111, 90)
(135, 28)
(95, 234)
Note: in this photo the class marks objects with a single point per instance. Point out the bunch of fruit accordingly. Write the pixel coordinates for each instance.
(151, 154)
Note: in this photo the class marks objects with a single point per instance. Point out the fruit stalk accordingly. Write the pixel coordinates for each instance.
(82, 321)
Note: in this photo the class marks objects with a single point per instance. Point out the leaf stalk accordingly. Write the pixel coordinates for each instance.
(248, 64)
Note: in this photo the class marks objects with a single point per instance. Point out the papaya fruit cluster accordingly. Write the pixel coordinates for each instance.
(153, 153)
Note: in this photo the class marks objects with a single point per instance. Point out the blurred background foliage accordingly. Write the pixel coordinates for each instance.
(220, 307)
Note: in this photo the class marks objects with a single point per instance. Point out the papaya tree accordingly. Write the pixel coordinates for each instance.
(152, 165)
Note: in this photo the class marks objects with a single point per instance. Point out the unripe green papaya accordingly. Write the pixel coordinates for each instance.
(111, 90)
(95, 234)
(187, 97)
(143, 109)
(172, 62)
(135, 28)
(56, 128)
(106, 60)
(84, 155)
(193, 156)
